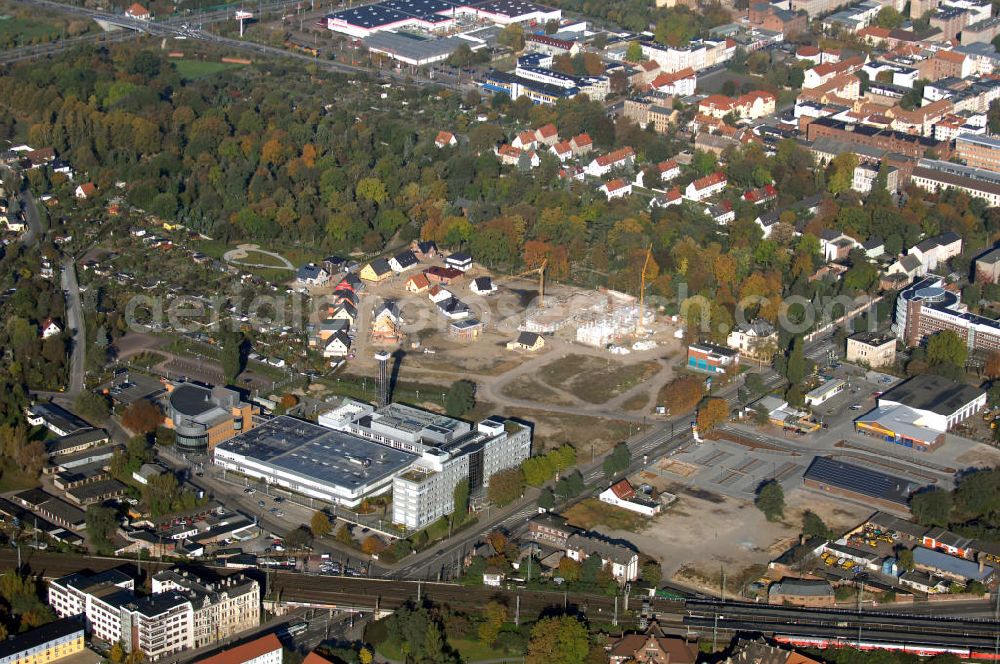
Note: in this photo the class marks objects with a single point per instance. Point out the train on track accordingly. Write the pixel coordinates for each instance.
(922, 650)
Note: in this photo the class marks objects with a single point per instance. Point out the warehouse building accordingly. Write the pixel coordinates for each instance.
(864, 485)
(314, 461)
(434, 15)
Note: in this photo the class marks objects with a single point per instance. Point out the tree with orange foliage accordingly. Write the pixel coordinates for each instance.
(712, 412)
(372, 545)
(142, 417)
(992, 368)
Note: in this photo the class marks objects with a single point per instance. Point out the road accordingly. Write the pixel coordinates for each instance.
(75, 323)
(174, 27)
(31, 216)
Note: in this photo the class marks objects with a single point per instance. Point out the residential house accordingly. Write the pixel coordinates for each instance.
(377, 271)
(751, 106)
(665, 170)
(550, 529)
(988, 267)
(908, 266)
(386, 321)
(547, 135)
(525, 140)
(652, 647)
(338, 345)
(562, 150)
(680, 83)
(50, 328)
(403, 261)
(138, 12)
(835, 245)
(705, 187)
(436, 294)
(527, 341)
(443, 275)
(873, 247)
(85, 190)
(459, 260)
(761, 195)
(453, 309)
(622, 561)
(617, 188)
(311, 274)
(757, 340)
(445, 139)
(424, 250)
(601, 166)
(347, 312)
(483, 286)
(672, 197)
(582, 144)
(721, 213)
(937, 249)
(418, 283)
(622, 494)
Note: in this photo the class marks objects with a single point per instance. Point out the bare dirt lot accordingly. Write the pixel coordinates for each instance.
(576, 373)
(704, 533)
(554, 429)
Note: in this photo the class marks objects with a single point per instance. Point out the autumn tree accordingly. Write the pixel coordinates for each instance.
(142, 417)
(682, 394)
(771, 500)
(494, 616)
(506, 486)
(559, 640)
(712, 412)
(320, 524)
(372, 545)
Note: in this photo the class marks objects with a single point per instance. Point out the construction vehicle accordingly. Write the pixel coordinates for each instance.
(540, 271)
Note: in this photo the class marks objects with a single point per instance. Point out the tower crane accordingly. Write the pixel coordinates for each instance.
(540, 271)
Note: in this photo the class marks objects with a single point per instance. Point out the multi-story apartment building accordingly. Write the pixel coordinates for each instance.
(182, 613)
(221, 610)
(45, 644)
(934, 175)
(871, 349)
(926, 307)
(979, 151)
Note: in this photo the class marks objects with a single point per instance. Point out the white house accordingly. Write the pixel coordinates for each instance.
(403, 261)
(445, 139)
(622, 494)
(50, 328)
(617, 188)
(601, 166)
(483, 286)
(705, 187)
(85, 190)
(667, 170)
(311, 274)
(338, 345)
(937, 249)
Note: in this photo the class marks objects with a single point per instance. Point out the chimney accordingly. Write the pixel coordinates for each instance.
(382, 358)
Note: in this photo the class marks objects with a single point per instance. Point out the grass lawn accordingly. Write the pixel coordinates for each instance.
(260, 258)
(636, 402)
(213, 248)
(526, 387)
(11, 479)
(592, 512)
(192, 69)
(574, 374)
(15, 31)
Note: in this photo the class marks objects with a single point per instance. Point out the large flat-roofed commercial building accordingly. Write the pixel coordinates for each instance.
(941, 402)
(865, 485)
(926, 307)
(414, 50)
(434, 15)
(202, 417)
(979, 151)
(45, 644)
(335, 466)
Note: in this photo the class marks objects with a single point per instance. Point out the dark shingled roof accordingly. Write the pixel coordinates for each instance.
(936, 394)
(41, 635)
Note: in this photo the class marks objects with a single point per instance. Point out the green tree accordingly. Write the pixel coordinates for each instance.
(813, 526)
(651, 572)
(320, 524)
(460, 499)
(512, 37)
(771, 500)
(795, 370)
(905, 559)
(101, 525)
(840, 172)
(494, 616)
(547, 499)
(618, 461)
(506, 486)
(232, 355)
(460, 399)
(931, 507)
(560, 640)
(946, 347)
(634, 52)
(889, 18)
